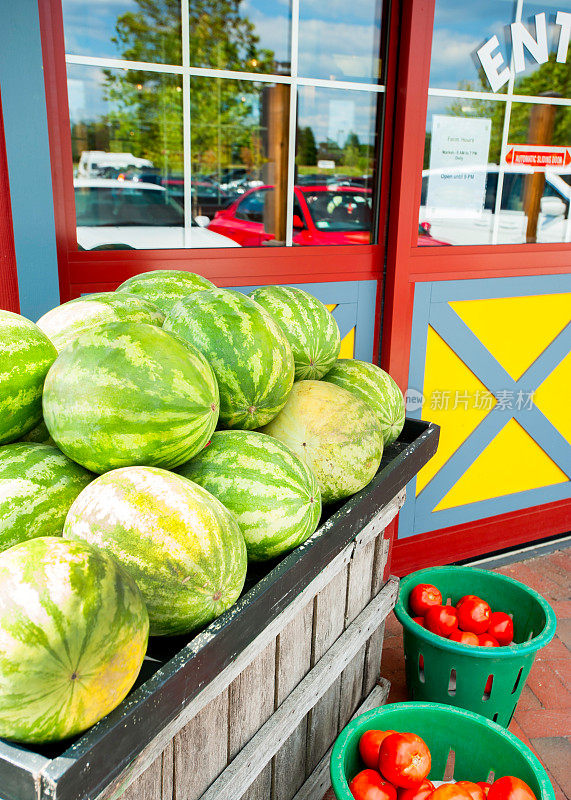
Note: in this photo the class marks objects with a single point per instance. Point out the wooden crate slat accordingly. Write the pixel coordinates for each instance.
(251, 704)
(319, 782)
(293, 662)
(252, 759)
(168, 792)
(358, 595)
(329, 622)
(374, 645)
(201, 749)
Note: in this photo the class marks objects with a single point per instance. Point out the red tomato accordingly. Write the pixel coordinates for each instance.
(404, 760)
(450, 791)
(510, 788)
(501, 627)
(441, 619)
(476, 791)
(467, 597)
(420, 621)
(485, 787)
(488, 686)
(369, 785)
(418, 793)
(369, 746)
(463, 637)
(473, 615)
(422, 597)
(485, 640)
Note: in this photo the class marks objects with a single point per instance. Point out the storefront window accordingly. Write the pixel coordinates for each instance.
(172, 148)
(497, 160)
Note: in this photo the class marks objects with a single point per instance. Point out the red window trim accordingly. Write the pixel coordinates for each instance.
(9, 299)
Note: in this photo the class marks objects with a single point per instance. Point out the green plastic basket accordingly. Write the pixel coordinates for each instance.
(441, 671)
(480, 747)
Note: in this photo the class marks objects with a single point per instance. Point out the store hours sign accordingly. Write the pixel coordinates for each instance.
(458, 163)
(492, 61)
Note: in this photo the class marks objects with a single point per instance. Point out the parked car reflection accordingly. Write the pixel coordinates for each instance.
(322, 215)
(136, 215)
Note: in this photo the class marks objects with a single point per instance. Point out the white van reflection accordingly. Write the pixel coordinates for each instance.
(94, 163)
(115, 214)
(465, 226)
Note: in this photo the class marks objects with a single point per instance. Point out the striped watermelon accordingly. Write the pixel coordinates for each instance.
(64, 324)
(334, 432)
(38, 484)
(182, 547)
(165, 287)
(129, 393)
(273, 495)
(308, 325)
(249, 353)
(376, 387)
(39, 435)
(26, 354)
(73, 635)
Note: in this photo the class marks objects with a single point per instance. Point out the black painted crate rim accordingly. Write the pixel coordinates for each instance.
(93, 761)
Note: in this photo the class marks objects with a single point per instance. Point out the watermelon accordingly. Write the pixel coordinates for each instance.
(39, 435)
(376, 387)
(64, 324)
(165, 287)
(272, 494)
(26, 354)
(73, 635)
(128, 393)
(309, 327)
(38, 484)
(182, 547)
(334, 432)
(249, 353)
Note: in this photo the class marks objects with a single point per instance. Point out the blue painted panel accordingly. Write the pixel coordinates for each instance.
(27, 147)
(488, 288)
(431, 308)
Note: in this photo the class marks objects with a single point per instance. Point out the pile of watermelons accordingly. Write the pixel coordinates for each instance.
(153, 440)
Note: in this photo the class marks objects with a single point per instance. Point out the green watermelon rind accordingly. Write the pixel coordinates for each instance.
(376, 387)
(26, 355)
(310, 328)
(73, 633)
(272, 493)
(38, 484)
(165, 287)
(129, 393)
(246, 348)
(183, 549)
(66, 322)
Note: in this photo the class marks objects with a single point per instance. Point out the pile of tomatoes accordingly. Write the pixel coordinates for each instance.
(397, 768)
(471, 621)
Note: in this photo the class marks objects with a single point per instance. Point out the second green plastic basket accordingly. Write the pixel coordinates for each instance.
(480, 747)
(441, 671)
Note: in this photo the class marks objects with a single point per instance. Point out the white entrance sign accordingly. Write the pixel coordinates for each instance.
(537, 48)
(458, 163)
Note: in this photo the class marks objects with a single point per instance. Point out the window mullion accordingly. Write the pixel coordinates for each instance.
(292, 121)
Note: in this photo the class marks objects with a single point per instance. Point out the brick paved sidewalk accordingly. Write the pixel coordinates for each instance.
(543, 716)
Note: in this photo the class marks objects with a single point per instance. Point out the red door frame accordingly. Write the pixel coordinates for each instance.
(104, 270)
(9, 299)
(407, 264)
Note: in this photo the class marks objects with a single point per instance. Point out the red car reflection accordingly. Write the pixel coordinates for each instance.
(321, 215)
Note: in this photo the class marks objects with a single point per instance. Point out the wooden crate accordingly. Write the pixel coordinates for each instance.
(263, 729)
